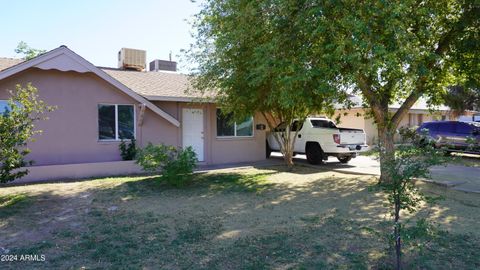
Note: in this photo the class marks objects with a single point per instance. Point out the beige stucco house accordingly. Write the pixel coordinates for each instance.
(97, 107)
(357, 117)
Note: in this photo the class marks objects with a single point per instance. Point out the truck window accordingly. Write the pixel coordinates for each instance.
(297, 126)
(317, 123)
(280, 127)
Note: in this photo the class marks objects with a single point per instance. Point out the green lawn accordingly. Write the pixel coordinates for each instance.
(232, 219)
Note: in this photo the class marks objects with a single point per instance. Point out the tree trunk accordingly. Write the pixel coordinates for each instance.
(387, 152)
(398, 243)
(288, 157)
(288, 148)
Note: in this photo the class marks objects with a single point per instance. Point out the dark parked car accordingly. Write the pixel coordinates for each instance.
(455, 136)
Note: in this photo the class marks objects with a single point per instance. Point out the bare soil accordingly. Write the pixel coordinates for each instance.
(230, 219)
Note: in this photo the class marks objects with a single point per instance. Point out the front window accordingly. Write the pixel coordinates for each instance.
(116, 122)
(4, 106)
(227, 128)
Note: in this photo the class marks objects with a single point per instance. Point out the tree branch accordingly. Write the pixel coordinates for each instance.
(444, 45)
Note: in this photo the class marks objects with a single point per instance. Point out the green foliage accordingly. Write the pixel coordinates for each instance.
(234, 182)
(462, 98)
(153, 157)
(412, 160)
(128, 150)
(397, 52)
(9, 200)
(17, 128)
(12, 204)
(255, 56)
(28, 51)
(176, 165)
(178, 171)
(473, 144)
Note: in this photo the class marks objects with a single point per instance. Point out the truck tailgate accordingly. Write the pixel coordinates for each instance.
(352, 136)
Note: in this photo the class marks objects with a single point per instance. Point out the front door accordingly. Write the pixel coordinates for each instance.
(193, 133)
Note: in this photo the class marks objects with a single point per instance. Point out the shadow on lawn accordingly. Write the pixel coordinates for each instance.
(231, 221)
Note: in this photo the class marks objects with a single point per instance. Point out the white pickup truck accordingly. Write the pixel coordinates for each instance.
(320, 138)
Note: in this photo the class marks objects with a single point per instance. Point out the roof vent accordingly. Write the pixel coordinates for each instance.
(132, 59)
(157, 65)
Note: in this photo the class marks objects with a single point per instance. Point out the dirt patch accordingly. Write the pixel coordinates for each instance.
(230, 219)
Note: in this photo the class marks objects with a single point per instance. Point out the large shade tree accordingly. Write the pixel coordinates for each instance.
(255, 56)
(397, 51)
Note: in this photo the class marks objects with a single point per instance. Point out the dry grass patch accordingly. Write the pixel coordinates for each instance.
(231, 219)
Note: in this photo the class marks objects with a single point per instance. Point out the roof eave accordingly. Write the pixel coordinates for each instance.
(90, 67)
(179, 99)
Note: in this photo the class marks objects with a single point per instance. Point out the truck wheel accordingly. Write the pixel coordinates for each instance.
(314, 153)
(344, 160)
(268, 150)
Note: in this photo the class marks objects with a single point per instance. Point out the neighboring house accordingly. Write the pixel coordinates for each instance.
(96, 107)
(419, 113)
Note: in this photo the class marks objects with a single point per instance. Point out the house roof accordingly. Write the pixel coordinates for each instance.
(64, 59)
(9, 62)
(172, 86)
(157, 85)
(420, 105)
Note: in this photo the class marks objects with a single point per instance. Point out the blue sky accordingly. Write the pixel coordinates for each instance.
(98, 29)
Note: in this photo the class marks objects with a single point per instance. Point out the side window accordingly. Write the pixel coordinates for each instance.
(297, 126)
(280, 127)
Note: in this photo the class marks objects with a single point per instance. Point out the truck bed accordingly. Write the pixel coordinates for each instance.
(350, 130)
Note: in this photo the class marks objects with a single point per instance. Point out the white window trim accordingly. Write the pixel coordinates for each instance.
(117, 139)
(235, 131)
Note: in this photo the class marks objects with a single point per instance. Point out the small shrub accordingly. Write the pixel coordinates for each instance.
(18, 128)
(178, 171)
(473, 144)
(176, 165)
(128, 151)
(413, 159)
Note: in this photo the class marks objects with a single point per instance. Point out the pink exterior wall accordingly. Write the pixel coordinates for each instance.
(229, 150)
(79, 171)
(220, 150)
(71, 133)
(70, 136)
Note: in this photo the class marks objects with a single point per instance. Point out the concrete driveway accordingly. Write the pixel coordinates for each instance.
(457, 177)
